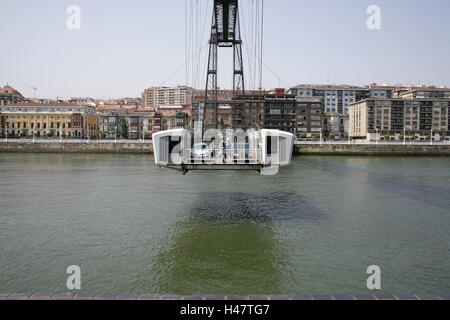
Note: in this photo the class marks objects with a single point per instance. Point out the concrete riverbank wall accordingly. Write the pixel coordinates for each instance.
(373, 149)
(300, 149)
(77, 147)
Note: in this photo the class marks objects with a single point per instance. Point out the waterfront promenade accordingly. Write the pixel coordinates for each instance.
(297, 297)
(426, 148)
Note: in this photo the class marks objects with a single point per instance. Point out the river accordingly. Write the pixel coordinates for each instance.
(313, 228)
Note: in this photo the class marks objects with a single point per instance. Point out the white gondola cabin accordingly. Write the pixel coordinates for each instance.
(263, 150)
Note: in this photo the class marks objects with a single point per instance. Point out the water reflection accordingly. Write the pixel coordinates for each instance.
(228, 240)
(218, 259)
(252, 207)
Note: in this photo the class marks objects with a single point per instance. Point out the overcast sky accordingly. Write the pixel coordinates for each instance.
(123, 47)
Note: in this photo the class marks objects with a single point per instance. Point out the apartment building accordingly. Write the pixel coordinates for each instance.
(335, 125)
(309, 117)
(378, 119)
(9, 95)
(160, 96)
(426, 93)
(335, 98)
(280, 111)
(140, 122)
(54, 119)
(174, 117)
(125, 122)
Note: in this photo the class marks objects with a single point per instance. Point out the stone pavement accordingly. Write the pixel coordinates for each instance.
(340, 297)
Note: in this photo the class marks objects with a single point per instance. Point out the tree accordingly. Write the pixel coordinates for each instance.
(146, 136)
(124, 131)
(386, 137)
(63, 135)
(103, 135)
(414, 137)
(317, 136)
(401, 137)
(442, 138)
(23, 134)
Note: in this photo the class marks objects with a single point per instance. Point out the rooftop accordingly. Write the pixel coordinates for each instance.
(53, 104)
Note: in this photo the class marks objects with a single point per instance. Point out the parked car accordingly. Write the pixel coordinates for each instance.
(200, 150)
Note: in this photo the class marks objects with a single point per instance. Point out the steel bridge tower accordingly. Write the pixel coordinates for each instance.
(225, 33)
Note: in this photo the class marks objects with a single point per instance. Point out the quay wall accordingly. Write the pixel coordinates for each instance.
(299, 149)
(373, 149)
(77, 147)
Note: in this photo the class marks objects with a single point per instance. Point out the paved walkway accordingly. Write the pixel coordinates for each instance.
(80, 296)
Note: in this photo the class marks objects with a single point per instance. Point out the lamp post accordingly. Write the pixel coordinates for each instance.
(404, 135)
(376, 130)
(431, 138)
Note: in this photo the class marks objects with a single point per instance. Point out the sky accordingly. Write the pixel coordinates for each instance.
(123, 47)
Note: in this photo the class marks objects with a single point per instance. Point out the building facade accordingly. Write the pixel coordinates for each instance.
(335, 125)
(163, 96)
(426, 93)
(280, 112)
(335, 98)
(9, 95)
(139, 122)
(309, 117)
(56, 119)
(379, 119)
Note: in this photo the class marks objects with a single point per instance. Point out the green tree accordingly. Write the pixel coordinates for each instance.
(146, 136)
(414, 137)
(23, 134)
(401, 137)
(124, 131)
(317, 136)
(103, 135)
(386, 137)
(442, 138)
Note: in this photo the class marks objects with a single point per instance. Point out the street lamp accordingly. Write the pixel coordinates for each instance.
(431, 138)
(376, 130)
(404, 135)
